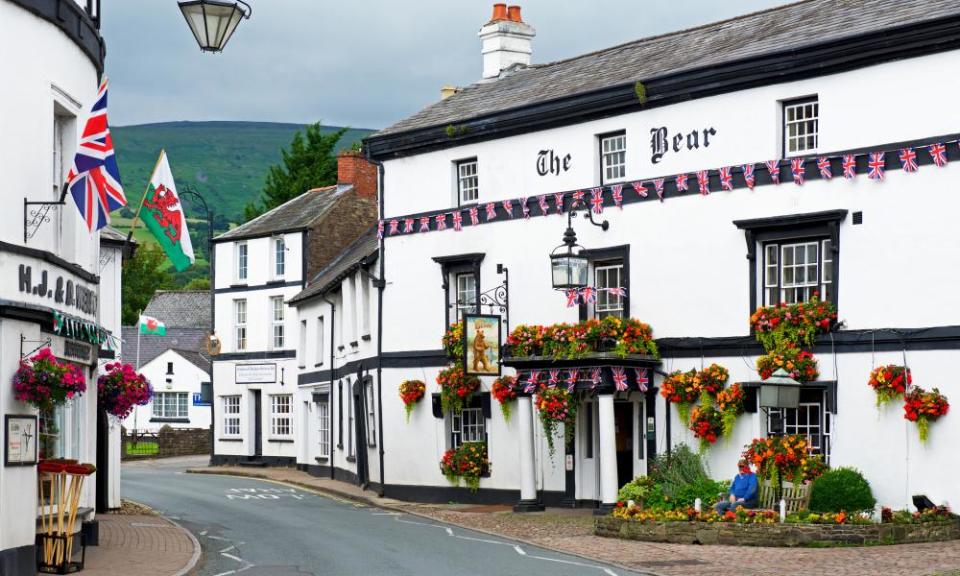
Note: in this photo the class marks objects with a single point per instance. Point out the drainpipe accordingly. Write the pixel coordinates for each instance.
(381, 285)
(333, 322)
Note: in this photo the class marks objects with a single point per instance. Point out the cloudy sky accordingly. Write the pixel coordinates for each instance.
(359, 63)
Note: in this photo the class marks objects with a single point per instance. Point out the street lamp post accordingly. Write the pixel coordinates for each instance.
(214, 21)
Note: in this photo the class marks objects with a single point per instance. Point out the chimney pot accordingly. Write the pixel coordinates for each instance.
(513, 14)
(499, 12)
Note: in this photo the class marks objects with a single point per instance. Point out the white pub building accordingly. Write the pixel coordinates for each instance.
(678, 139)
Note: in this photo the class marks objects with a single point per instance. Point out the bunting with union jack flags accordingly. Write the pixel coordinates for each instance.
(908, 159)
(876, 166)
(94, 178)
(620, 378)
(939, 154)
(750, 175)
(643, 380)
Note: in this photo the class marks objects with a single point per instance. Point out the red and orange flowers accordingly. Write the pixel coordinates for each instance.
(556, 406)
(411, 391)
(505, 391)
(924, 407)
(889, 382)
(798, 324)
(456, 388)
(571, 341)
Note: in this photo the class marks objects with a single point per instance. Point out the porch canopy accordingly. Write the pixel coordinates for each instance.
(638, 369)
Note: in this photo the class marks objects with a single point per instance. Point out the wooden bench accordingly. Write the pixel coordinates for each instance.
(797, 497)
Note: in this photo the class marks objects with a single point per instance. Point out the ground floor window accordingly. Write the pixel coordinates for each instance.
(469, 426)
(810, 419)
(281, 415)
(231, 415)
(170, 404)
(323, 427)
(51, 433)
(371, 415)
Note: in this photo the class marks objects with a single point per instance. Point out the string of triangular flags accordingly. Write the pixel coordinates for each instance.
(874, 164)
(531, 380)
(588, 294)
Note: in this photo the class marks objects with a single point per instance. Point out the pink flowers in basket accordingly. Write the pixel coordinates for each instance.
(45, 382)
(122, 388)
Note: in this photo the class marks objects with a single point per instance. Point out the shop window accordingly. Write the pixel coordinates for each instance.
(281, 419)
(231, 416)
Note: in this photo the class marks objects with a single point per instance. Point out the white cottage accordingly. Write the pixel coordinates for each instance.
(680, 137)
(47, 257)
(259, 267)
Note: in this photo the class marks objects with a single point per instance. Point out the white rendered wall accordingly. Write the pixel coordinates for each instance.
(186, 377)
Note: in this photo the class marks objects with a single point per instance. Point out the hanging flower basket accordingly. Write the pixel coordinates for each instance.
(706, 423)
(889, 382)
(800, 364)
(468, 463)
(121, 388)
(456, 388)
(924, 407)
(453, 342)
(505, 391)
(796, 324)
(730, 405)
(411, 392)
(556, 406)
(44, 382)
(711, 379)
(575, 341)
(681, 388)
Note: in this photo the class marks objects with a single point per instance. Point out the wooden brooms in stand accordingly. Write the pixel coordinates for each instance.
(61, 484)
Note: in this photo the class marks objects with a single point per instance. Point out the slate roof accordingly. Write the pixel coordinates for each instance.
(199, 360)
(352, 255)
(110, 234)
(181, 308)
(296, 214)
(187, 340)
(775, 30)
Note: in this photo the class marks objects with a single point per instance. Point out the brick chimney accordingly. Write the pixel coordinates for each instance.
(505, 40)
(353, 169)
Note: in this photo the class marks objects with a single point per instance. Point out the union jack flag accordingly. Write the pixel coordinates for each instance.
(573, 297)
(380, 230)
(658, 186)
(750, 175)
(726, 179)
(826, 171)
(796, 167)
(639, 188)
(558, 200)
(457, 220)
(682, 185)
(441, 220)
(876, 165)
(474, 216)
(553, 379)
(620, 379)
(491, 211)
(939, 154)
(596, 200)
(524, 208)
(703, 179)
(531, 383)
(594, 377)
(643, 381)
(544, 207)
(508, 206)
(773, 167)
(588, 295)
(617, 192)
(94, 179)
(908, 157)
(578, 198)
(424, 223)
(572, 377)
(394, 227)
(849, 166)
(619, 291)
(407, 225)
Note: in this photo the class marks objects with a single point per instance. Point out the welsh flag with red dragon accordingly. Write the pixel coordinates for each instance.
(164, 217)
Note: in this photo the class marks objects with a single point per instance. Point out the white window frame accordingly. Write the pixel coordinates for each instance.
(468, 426)
(180, 405)
(817, 435)
(279, 257)
(608, 304)
(613, 157)
(364, 303)
(231, 416)
(801, 126)
(240, 324)
(323, 428)
(281, 416)
(468, 181)
(321, 334)
(462, 301)
(302, 345)
(277, 329)
(371, 415)
(243, 261)
(779, 279)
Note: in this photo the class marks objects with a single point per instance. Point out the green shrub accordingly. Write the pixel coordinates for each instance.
(841, 489)
(637, 490)
(679, 479)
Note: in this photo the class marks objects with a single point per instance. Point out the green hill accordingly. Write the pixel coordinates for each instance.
(226, 162)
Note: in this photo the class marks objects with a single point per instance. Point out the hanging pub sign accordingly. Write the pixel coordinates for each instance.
(481, 346)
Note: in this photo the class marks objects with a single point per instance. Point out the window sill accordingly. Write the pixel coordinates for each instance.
(365, 338)
(351, 459)
(340, 348)
(321, 459)
(354, 344)
(281, 440)
(231, 440)
(317, 365)
(275, 281)
(171, 420)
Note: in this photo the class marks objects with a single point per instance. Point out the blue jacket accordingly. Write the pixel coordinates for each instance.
(744, 486)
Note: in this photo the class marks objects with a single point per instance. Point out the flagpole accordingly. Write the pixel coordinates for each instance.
(137, 368)
(136, 217)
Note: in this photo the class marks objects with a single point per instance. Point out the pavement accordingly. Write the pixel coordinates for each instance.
(141, 545)
(571, 532)
(256, 527)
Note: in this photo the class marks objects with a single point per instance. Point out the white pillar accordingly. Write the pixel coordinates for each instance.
(528, 479)
(608, 452)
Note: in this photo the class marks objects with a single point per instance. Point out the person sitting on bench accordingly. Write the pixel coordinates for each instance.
(743, 490)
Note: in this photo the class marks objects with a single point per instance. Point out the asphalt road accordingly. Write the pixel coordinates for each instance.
(259, 528)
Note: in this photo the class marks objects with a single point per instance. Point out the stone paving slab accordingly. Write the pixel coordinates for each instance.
(571, 532)
(141, 545)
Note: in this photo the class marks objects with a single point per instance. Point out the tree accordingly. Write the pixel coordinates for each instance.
(142, 276)
(198, 284)
(309, 163)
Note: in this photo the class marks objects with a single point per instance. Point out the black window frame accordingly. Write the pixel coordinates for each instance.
(458, 263)
(480, 401)
(812, 99)
(600, 139)
(608, 255)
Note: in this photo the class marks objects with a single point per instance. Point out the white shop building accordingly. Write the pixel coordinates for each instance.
(686, 107)
(61, 284)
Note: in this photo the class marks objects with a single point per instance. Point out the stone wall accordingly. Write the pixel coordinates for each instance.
(776, 534)
(184, 441)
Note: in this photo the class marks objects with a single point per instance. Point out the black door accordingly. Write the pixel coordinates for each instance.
(360, 431)
(103, 460)
(623, 422)
(257, 424)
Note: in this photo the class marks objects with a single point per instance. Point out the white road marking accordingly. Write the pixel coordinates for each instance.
(519, 550)
(484, 540)
(449, 531)
(218, 538)
(610, 572)
(226, 573)
(232, 557)
(204, 533)
(228, 548)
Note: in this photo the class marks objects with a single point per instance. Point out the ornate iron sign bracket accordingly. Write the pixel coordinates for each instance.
(33, 218)
(498, 297)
